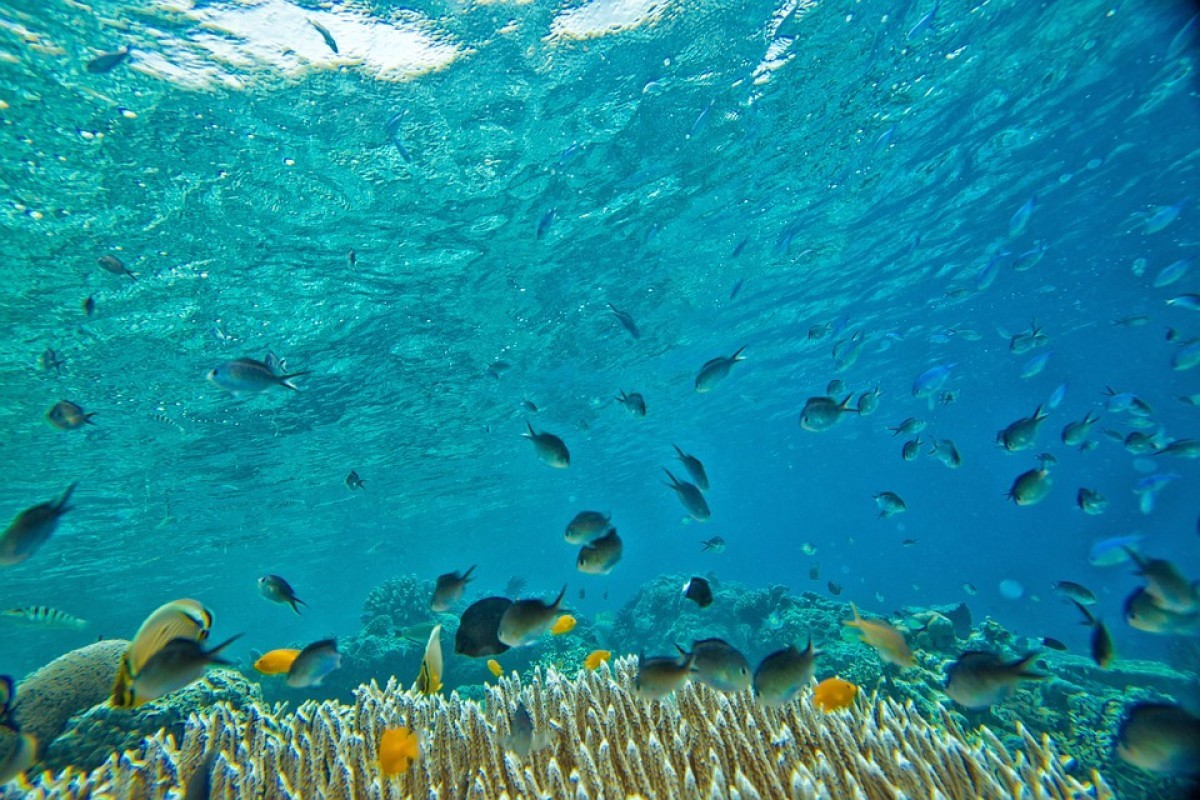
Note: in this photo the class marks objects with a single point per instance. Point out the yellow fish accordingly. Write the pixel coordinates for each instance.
(888, 642)
(398, 749)
(495, 667)
(596, 658)
(564, 624)
(833, 694)
(178, 619)
(430, 679)
(276, 662)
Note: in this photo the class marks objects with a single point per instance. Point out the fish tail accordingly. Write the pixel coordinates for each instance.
(737, 356)
(1020, 666)
(558, 600)
(467, 575)
(286, 380)
(295, 602)
(674, 483)
(87, 418)
(122, 692)
(61, 506)
(531, 434)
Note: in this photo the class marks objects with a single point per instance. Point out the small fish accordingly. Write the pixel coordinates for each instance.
(1036, 365)
(116, 266)
(1091, 502)
(634, 402)
(886, 640)
(868, 402)
(658, 677)
(890, 504)
(50, 360)
(835, 589)
(822, 413)
(931, 381)
(105, 62)
(715, 370)
(718, 664)
(478, 627)
(1160, 737)
(980, 679)
(494, 667)
(276, 662)
(1182, 448)
(924, 23)
(834, 694)
(1142, 612)
(1021, 434)
(1074, 591)
(352, 258)
(1028, 340)
(68, 416)
(1190, 302)
(908, 542)
(393, 131)
(715, 545)
(526, 620)
(1113, 550)
(1054, 644)
(699, 592)
(1187, 356)
(523, 738)
(594, 659)
(694, 468)
(278, 590)
(45, 616)
(549, 448)
(626, 321)
(1147, 489)
(1172, 272)
(354, 482)
(1030, 487)
(737, 287)
(543, 226)
(945, 451)
(529, 406)
(178, 663)
(249, 376)
(601, 556)
(429, 679)
(1165, 584)
(449, 589)
(911, 449)
(1103, 652)
(184, 618)
(399, 748)
(314, 664)
(737, 250)
(1162, 216)
(970, 589)
(31, 529)
(88, 306)
(562, 625)
(782, 674)
(691, 498)
(1074, 433)
(326, 35)
(909, 426)
(587, 527)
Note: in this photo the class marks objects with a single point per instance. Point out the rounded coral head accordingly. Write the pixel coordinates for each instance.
(833, 694)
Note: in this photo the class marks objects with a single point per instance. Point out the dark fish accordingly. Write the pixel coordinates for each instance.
(699, 592)
(737, 251)
(529, 406)
(690, 497)
(67, 416)
(549, 448)
(106, 61)
(834, 589)
(626, 321)
(1169, 588)
(1022, 434)
(601, 556)
(586, 527)
(50, 360)
(716, 544)
(498, 368)
(545, 222)
(449, 590)
(1143, 613)
(1074, 591)
(781, 675)
(715, 370)
(314, 664)
(354, 482)
(249, 376)
(114, 265)
(634, 402)
(278, 590)
(26, 534)
(719, 664)
(1103, 652)
(179, 663)
(658, 677)
(1054, 644)
(393, 131)
(980, 679)
(737, 287)
(1030, 487)
(1160, 737)
(478, 628)
(908, 542)
(522, 739)
(352, 258)
(325, 34)
(89, 306)
(694, 468)
(526, 620)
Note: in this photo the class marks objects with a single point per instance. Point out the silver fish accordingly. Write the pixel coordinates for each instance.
(691, 498)
(715, 370)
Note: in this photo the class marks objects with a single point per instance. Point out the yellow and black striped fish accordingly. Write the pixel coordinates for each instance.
(184, 618)
(46, 616)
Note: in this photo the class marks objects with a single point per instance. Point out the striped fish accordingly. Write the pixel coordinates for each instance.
(46, 616)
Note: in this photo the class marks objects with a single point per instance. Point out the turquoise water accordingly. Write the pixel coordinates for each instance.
(503, 172)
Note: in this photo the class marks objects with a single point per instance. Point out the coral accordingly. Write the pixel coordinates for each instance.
(608, 744)
(404, 598)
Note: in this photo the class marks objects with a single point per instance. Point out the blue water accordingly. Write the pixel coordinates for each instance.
(873, 166)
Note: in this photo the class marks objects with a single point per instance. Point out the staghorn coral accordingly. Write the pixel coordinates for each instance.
(608, 744)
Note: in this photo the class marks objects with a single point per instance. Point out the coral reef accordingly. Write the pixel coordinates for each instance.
(608, 743)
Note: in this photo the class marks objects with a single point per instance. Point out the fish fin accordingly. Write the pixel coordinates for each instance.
(1088, 617)
(558, 600)
(737, 355)
(467, 575)
(294, 602)
(122, 692)
(674, 484)
(531, 434)
(213, 653)
(286, 380)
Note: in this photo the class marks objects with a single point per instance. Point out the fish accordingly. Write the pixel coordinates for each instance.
(1075, 591)
(1028, 340)
(549, 448)
(314, 663)
(835, 386)
(1165, 584)
(781, 675)
(326, 35)
(418, 633)
(116, 266)
(1142, 612)
(1161, 738)
(587, 527)
(908, 542)
(278, 590)
(868, 402)
(1189, 302)
(522, 737)
(691, 498)
(602, 555)
(634, 402)
(924, 23)
(886, 640)
(658, 677)
(494, 667)
(19, 759)
(352, 258)
(177, 664)
(105, 62)
(45, 616)
(449, 589)
(1054, 644)
(626, 321)
(931, 381)
(249, 376)
(1016, 225)
(50, 360)
(68, 416)
(1187, 356)
(910, 425)
(479, 626)
(834, 588)
(695, 469)
(890, 504)
(1030, 487)
(1103, 652)
(1036, 365)
(1057, 396)
(718, 664)
(737, 287)
(1113, 550)
(429, 679)
(594, 659)
(715, 545)
(88, 306)
(715, 370)
(698, 591)
(354, 482)
(399, 748)
(822, 413)
(1147, 489)
(1182, 448)
(1021, 434)
(1172, 272)
(32, 528)
(526, 620)
(980, 679)
(547, 219)
(970, 589)
(834, 694)
(1132, 321)
(178, 619)
(529, 406)
(1074, 433)
(945, 451)
(1091, 502)
(276, 662)
(562, 625)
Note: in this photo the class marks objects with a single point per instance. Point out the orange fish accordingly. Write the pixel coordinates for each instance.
(888, 642)
(495, 667)
(833, 694)
(276, 662)
(596, 658)
(564, 624)
(398, 748)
